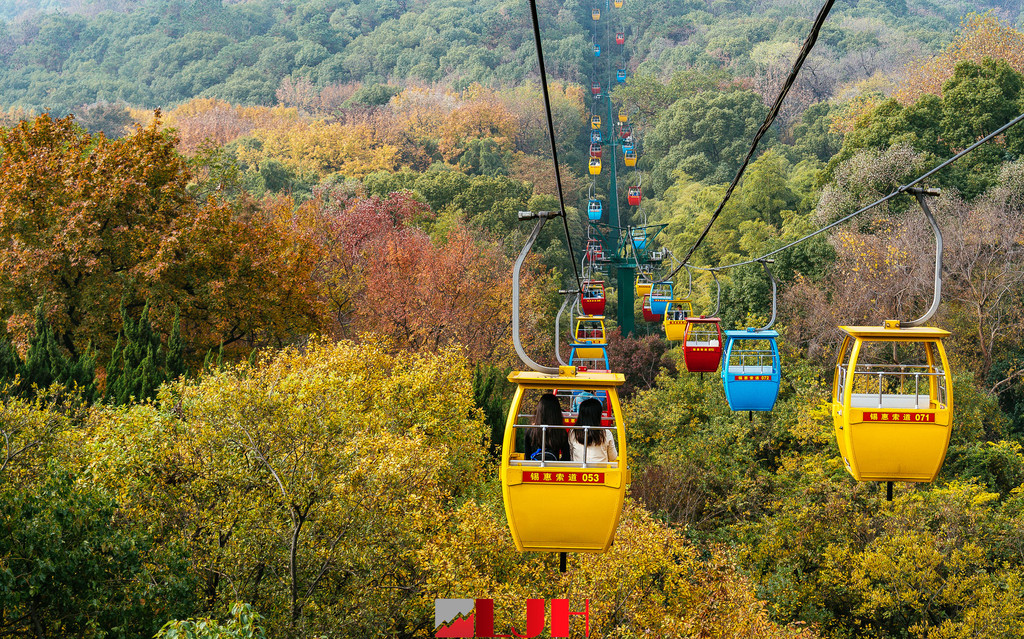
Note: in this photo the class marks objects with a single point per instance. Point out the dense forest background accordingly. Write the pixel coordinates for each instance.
(255, 277)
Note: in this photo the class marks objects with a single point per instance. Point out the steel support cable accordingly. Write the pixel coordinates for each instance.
(551, 138)
(903, 188)
(805, 50)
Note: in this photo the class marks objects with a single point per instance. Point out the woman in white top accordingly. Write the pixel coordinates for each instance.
(595, 444)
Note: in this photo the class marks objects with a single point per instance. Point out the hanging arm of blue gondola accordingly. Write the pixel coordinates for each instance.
(771, 277)
(922, 195)
(718, 298)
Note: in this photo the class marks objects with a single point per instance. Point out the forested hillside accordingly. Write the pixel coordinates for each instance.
(157, 54)
(256, 286)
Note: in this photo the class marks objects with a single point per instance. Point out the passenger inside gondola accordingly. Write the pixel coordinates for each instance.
(547, 439)
(677, 313)
(590, 442)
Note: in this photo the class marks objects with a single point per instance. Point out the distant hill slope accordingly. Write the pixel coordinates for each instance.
(64, 54)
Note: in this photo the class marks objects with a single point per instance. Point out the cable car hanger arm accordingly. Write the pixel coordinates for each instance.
(771, 277)
(921, 195)
(542, 216)
(569, 297)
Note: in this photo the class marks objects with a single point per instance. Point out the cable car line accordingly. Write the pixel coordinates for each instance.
(901, 189)
(551, 137)
(805, 50)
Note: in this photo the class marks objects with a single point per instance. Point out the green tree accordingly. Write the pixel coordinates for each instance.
(706, 136)
(46, 364)
(374, 95)
(491, 395)
(975, 101)
(72, 567)
(11, 365)
(139, 363)
(244, 624)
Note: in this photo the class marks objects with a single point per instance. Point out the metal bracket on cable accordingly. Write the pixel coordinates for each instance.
(922, 194)
(532, 215)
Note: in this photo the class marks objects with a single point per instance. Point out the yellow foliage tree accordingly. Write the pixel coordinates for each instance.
(305, 483)
(479, 115)
(981, 36)
(322, 148)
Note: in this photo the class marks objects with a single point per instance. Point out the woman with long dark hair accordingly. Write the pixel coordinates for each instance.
(591, 444)
(554, 438)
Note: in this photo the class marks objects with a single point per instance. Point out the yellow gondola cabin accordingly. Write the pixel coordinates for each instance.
(589, 332)
(676, 313)
(643, 285)
(892, 402)
(562, 506)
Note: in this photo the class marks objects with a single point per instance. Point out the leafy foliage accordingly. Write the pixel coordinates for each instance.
(73, 567)
(244, 624)
(140, 363)
(88, 222)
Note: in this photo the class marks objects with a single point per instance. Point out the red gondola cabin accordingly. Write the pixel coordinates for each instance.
(593, 300)
(702, 344)
(649, 315)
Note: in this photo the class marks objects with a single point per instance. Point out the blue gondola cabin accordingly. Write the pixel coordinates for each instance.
(752, 369)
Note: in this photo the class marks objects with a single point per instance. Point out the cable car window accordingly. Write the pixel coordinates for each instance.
(895, 375)
(752, 356)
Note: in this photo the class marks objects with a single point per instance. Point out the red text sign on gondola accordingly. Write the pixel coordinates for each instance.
(561, 477)
(752, 378)
(898, 417)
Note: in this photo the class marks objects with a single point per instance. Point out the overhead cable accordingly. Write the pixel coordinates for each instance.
(551, 137)
(805, 50)
(903, 188)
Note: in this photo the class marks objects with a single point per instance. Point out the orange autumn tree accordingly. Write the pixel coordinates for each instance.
(345, 230)
(981, 36)
(428, 296)
(87, 223)
(479, 115)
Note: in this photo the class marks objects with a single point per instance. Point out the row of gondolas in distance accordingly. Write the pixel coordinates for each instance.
(891, 406)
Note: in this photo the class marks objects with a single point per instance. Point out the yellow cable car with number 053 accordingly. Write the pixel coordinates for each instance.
(558, 505)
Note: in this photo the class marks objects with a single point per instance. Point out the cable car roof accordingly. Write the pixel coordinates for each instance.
(915, 332)
(750, 333)
(584, 380)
